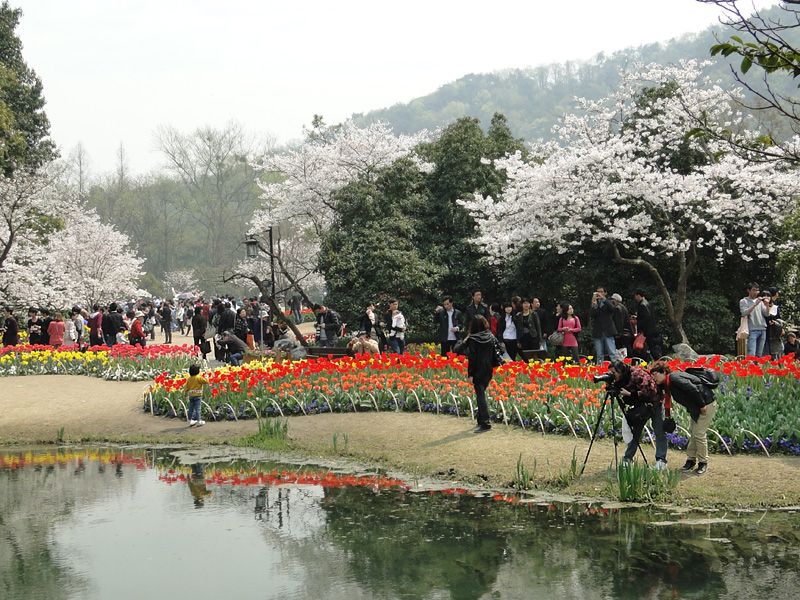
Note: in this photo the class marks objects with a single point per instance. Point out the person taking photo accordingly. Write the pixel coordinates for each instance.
(698, 398)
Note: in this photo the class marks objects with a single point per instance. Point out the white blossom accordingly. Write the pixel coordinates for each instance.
(604, 180)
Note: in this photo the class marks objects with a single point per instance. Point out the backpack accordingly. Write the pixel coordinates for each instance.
(708, 377)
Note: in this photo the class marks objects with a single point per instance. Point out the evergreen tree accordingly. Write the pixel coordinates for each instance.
(24, 127)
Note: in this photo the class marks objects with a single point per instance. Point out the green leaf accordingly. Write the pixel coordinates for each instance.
(746, 64)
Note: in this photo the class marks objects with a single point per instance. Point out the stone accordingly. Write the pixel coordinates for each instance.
(685, 352)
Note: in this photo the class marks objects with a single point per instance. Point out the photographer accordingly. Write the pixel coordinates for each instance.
(638, 389)
(698, 399)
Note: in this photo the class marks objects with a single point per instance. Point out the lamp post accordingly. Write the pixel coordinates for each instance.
(253, 250)
(251, 245)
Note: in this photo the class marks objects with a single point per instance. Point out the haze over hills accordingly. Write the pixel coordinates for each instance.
(533, 99)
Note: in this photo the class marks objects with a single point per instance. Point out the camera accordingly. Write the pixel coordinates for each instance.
(604, 378)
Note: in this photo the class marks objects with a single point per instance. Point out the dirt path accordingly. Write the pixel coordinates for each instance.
(33, 409)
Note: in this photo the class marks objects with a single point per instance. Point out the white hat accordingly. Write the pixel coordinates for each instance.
(616, 297)
(138, 314)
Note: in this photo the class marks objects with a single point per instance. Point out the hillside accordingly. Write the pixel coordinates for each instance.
(534, 98)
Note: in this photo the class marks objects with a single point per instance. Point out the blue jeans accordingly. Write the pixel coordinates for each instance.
(657, 421)
(755, 342)
(194, 407)
(236, 359)
(658, 430)
(610, 345)
(397, 345)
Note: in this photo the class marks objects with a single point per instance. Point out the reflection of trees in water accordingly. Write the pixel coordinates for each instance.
(388, 543)
(568, 553)
(411, 546)
(414, 545)
(32, 501)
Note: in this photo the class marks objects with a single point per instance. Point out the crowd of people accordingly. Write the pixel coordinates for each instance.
(232, 326)
(522, 324)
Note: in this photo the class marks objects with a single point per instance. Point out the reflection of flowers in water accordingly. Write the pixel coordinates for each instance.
(234, 477)
(19, 460)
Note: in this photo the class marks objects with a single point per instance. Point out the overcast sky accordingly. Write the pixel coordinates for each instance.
(115, 70)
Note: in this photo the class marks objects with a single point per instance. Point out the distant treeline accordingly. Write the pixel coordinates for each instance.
(533, 99)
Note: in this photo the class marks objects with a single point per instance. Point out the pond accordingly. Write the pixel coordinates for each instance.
(118, 523)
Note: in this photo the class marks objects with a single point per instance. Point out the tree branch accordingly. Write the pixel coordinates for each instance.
(273, 306)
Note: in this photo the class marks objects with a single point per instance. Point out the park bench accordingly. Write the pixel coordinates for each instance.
(325, 352)
(538, 355)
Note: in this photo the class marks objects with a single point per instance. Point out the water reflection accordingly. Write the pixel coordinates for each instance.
(197, 485)
(111, 523)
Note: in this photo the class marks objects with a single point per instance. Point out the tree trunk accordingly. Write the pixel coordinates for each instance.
(273, 306)
(674, 312)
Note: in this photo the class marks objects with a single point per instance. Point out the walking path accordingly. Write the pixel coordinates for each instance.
(34, 408)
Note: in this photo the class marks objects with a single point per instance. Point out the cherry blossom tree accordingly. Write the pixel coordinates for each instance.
(322, 165)
(308, 176)
(180, 280)
(30, 210)
(53, 251)
(87, 261)
(634, 172)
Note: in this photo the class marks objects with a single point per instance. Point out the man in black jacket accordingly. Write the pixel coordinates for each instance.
(622, 322)
(227, 318)
(330, 322)
(113, 324)
(647, 325)
(451, 324)
(545, 322)
(699, 400)
(603, 330)
(476, 307)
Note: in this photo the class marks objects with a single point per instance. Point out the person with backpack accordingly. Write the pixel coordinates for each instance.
(694, 390)
(483, 355)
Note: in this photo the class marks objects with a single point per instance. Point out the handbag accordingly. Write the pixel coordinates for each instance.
(744, 329)
(638, 343)
(497, 355)
(211, 331)
(557, 337)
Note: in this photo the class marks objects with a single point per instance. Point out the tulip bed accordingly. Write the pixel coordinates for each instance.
(121, 362)
(758, 410)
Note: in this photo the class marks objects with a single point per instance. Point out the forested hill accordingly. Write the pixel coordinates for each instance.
(534, 98)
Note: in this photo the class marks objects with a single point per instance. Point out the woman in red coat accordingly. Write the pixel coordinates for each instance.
(136, 336)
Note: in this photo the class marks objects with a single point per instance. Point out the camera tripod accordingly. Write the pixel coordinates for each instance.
(613, 394)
